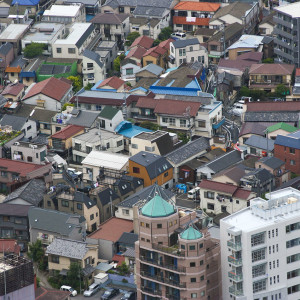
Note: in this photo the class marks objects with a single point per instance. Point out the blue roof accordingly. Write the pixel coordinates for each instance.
(174, 91)
(129, 130)
(157, 207)
(191, 234)
(26, 2)
(291, 140)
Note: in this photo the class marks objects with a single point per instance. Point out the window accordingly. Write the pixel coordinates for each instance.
(64, 203)
(194, 295)
(252, 150)
(134, 146)
(165, 120)
(237, 201)
(125, 212)
(58, 50)
(257, 239)
(98, 107)
(181, 52)
(136, 170)
(210, 206)
(29, 158)
(90, 65)
(88, 149)
(18, 221)
(107, 145)
(28, 128)
(12, 74)
(182, 123)
(119, 143)
(292, 227)
(148, 241)
(129, 71)
(201, 262)
(192, 264)
(293, 274)
(71, 50)
(258, 254)
(79, 206)
(147, 225)
(48, 203)
(193, 279)
(293, 243)
(209, 195)
(182, 246)
(192, 247)
(201, 245)
(292, 150)
(159, 226)
(92, 217)
(166, 174)
(142, 224)
(171, 121)
(149, 149)
(3, 174)
(202, 278)
(294, 289)
(202, 293)
(55, 259)
(259, 286)
(258, 270)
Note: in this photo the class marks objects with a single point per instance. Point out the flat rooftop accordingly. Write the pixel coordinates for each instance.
(150, 136)
(104, 45)
(92, 135)
(62, 11)
(292, 10)
(30, 145)
(13, 31)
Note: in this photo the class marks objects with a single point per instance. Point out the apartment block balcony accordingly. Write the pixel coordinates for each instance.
(163, 280)
(169, 250)
(235, 261)
(162, 265)
(234, 291)
(151, 291)
(234, 276)
(218, 123)
(237, 246)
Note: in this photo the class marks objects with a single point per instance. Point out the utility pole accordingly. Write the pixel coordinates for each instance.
(224, 49)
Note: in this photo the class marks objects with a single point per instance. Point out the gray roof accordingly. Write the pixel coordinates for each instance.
(4, 12)
(271, 117)
(184, 43)
(272, 162)
(107, 195)
(295, 183)
(108, 18)
(150, 11)
(146, 193)
(84, 2)
(130, 252)
(260, 142)
(32, 192)
(5, 48)
(154, 164)
(84, 198)
(132, 3)
(152, 68)
(17, 123)
(68, 248)
(84, 118)
(128, 238)
(262, 175)
(86, 34)
(104, 267)
(19, 210)
(93, 56)
(53, 221)
(88, 270)
(188, 150)
(18, 61)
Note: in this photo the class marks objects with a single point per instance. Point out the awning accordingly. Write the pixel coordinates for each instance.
(214, 56)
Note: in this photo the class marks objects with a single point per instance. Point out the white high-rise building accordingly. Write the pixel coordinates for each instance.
(260, 249)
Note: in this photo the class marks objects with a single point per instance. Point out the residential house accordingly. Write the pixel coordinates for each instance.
(217, 197)
(20, 124)
(74, 203)
(14, 223)
(279, 129)
(13, 91)
(127, 241)
(149, 71)
(190, 15)
(152, 168)
(6, 56)
(9, 246)
(13, 70)
(142, 41)
(185, 153)
(114, 84)
(31, 193)
(126, 186)
(29, 152)
(19, 14)
(66, 14)
(109, 118)
(28, 75)
(91, 6)
(61, 141)
(15, 173)
(95, 139)
(230, 176)
(156, 55)
(260, 146)
(108, 51)
(50, 94)
(267, 76)
(203, 34)
(62, 252)
(216, 46)
(46, 225)
(267, 25)
(107, 236)
(185, 51)
(287, 149)
(246, 14)
(73, 45)
(129, 67)
(277, 167)
(104, 166)
(13, 34)
(114, 27)
(33, 6)
(146, 27)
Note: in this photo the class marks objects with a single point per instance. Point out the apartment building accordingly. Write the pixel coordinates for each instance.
(260, 249)
(287, 39)
(173, 265)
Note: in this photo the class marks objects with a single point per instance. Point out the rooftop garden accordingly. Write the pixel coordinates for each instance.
(7, 136)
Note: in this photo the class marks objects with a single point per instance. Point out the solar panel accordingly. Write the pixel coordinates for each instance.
(58, 69)
(46, 69)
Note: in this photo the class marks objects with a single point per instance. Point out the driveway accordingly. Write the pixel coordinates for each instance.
(183, 201)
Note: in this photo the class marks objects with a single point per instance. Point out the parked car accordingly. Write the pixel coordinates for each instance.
(178, 36)
(74, 174)
(93, 289)
(128, 296)
(194, 193)
(109, 293)
(68, 289)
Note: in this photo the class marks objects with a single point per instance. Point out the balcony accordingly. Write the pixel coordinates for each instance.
(218, 123)
(234, 291)
(237, 246)
(236, 277)
(162, 265)
(146, 117)
(163, 280)
(235, 261)
(174, 297)
(169, 250)
(151, 291)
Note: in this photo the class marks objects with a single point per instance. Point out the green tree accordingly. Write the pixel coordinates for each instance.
(88, 87)
(165, 33)
(36, 252)
(268, 61)
(76, 82)
(73, 275)
(131, 37)
(149, 125)
(282, 90)
(34, 50)
(123, 269)
(156, 42)
(244, 91)
(117, 62)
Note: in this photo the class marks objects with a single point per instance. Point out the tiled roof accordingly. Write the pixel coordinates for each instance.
(191, 234)
(235, 174)
(277, 116)
(51, 87)
(128, 238)
(218, 186)
(136, 52)
(16, 122)
(292, 140)
(283, 126)
(9, 246)
(19, 210)
(114, 82)
(290, 106)
(235, 9)
(253, 128)
(155, 51)
(143, 41)
(13, 89)
(112, 229)
(260, 143)
(145, 102)
(271, 69)
(184, 43)
(272, 162)
(242, 194)
(157, 207)
(119, 259)
(197, 6)
(108, 18)
(67, 132)
(198, 21)
(108, 112)
(166, 44)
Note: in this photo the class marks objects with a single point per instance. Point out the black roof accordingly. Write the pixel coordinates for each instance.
(134, 181)
(82, 39)
(271, 117)
(93, 56)
(17, 123)
(5, 48)
(82, 197)
(128, 238)
(106, 195)
(272, 162)
(185, 43)
(123, 186)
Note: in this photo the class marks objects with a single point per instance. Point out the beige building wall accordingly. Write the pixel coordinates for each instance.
(233, 53)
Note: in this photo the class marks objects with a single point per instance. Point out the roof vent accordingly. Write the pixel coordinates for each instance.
(144, 154)
(35, 220)
(90, 203)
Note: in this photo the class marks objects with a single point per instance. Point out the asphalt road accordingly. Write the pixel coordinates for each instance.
(96, 296)
(183, 201)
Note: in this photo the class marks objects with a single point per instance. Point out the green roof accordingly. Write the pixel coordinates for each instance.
(191, 234)
(108, 112)
(283, 126)
(157, 207)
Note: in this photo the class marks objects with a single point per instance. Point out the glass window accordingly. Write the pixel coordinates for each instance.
(64, 203)
(79, 206)
(258, 254)
(129, 71)
(159, 225)
(293, 243)
(192, 247)
(71, 50)
(193, 279)
(259, 286)
(136, 170)
(257, 239)
(92, 217)
(292, 227)
(58, 50)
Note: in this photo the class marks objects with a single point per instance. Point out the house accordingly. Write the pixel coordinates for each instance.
(267, 76)
(20, 14)
(246, 14)
(46, 225)
(189, 15)
(149, 71)
(45, 33)
(32, 6)
(104, 165)
(28, 75)
(14, 223)
(113, 84)
(8, 137)
(142, 41)
(9, 246)
(185, 153)
(110, 117)
(146, 27)
(267, 25)
(127, 241)
(6, 56)
(29, 152)
(115, 27)
(20, 124)
(217, 197)
(126, 186)
(50, 94)
(66, 14)
(129, 67)
(79, 203)
(203, 34)
(14, 91)
(185, 51)
(230, 176)
(15, 173)
(61, 141)
(156, 55)
(279, 129)
(95, 139)
(93, 69)
(13, 70)
(62, 252)
(107, 236)
(152, 168)
(260, 146)
(287, 149)
(31, 193)
(108, 51)
(73, 45)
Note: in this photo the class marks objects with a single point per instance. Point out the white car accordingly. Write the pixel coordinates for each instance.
(93, 289)
(68, 289)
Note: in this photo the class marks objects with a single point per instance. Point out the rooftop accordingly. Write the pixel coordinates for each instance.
(292, 140)
(92, 135)
(272, 162)
(143, 41)
(62, 11)
(19, 210)
(108, 18)
(247, 41)
(293, 9)
(108, 112)
(260, 142)
(157, 207)
(197, 6)
(283, 126)
(191, 234)
(188, 42)
(67, 132)
(271, 69)
(129, 130)
(13, 89)
(113, 82)
(13, 32)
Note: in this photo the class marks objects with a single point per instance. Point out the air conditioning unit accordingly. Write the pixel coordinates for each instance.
(269, 81)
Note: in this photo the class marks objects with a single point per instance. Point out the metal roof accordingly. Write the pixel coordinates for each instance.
(157, 207)
(191, 234)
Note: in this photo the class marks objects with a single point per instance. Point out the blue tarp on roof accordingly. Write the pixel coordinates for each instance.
(129, 130)
(26, 2)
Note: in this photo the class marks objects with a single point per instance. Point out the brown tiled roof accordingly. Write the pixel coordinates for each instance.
(166, 44)
(67, 132)
(205, 31)
(145, 102)
(242, 194)
(198, 21)
(143, 41)
(114, 82)
(9, 246)
(13, 69)
(234, 173)
(291, 106)
(112, 229)
(155, 51)
(108, 18)
(51, 87)
(272, 69)
(136, 52)
(297, 72)
(13, 89)
(218, 186)
(20, 210)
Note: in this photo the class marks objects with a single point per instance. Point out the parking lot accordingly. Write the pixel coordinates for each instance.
(97, 296)
(183, 201)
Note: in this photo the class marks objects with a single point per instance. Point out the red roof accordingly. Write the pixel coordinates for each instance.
(197, 6)
(18, 167)
(155, 51)
(297, 72)
(218, 186)
(272, 69)
(273, 106)
(143, 41)
(42, 293)
(166, 44)
(13, 89)
(112, 229)
(9, 246)
(136, 52)
(113, 82)
(242, 194)
(119, 259)
(145, 102)
(198, 21)
(51, 87)
(67, 132)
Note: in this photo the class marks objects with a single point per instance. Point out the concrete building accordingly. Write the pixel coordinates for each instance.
(260, 248)
(29, 152)
(109, 118)
(175, 260)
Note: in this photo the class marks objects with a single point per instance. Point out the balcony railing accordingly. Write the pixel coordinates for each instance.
(235, 261)
(151, 291)
(163, 265)
(174, 297)
(170, 250)
(237, 292)
(234, 245)
(163, 280)
(219, 123)
(236, 277)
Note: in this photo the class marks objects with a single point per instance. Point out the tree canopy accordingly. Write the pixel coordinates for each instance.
(76, 82)
(131, 37)
(117, 62)
(36, 251)
(34, 50)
